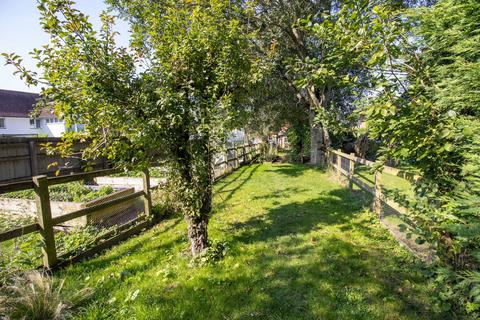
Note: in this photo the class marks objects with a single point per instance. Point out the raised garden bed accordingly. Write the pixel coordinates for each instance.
(68, 198)
(127, 182)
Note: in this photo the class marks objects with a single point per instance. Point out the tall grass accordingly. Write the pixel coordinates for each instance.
(38, 296)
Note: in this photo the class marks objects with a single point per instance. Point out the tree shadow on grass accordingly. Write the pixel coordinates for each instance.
(230, 192)
(335, 207)
(339, 279)
(284, 267)
(290, 170)
(331, 279)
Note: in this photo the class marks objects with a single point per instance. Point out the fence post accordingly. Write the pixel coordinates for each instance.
(377, 201)
(32, 148)
(147, 199)
(44, 215)
(351, 171)
(225, 159)
(329, 161)
(339, 164)
(235, 158)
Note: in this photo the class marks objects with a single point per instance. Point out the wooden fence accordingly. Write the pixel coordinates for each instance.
(344, 165)
(231, 160)
(235, 157)
(46, 223)
(22, 158)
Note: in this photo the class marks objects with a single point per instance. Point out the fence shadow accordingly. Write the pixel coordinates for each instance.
(230, 192)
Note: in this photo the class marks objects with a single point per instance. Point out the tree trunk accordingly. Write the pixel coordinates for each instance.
(361, 146)
(197, 225)
(320, 139)
(246, 137)
(198, 233)
(315, 140)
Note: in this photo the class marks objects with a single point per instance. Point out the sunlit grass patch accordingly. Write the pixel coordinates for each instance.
(299, 246)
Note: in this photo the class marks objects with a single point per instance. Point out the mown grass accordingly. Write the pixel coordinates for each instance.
(300, 247)
(390, 183)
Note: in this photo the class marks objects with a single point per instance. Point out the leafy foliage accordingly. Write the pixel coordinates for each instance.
(72, 191)
(352, 44)
(200, 53)
(25, 253)
(428, 118)
(299, 141)
(170, 95)
(268, 152)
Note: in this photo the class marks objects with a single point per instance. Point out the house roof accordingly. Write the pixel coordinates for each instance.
(16, 103)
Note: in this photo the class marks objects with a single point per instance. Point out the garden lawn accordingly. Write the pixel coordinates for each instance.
(300, 246)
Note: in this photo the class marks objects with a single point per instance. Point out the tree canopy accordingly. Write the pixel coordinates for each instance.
(407, 72)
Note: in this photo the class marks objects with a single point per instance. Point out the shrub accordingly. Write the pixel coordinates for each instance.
(269, 153)
(298, 137)
(26, 252)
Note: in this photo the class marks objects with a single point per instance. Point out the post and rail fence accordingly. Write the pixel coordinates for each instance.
(234, 157)
(338, 160)
(46, 223)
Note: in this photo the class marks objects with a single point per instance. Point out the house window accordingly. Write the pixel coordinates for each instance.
(2, 123)
(34, 123)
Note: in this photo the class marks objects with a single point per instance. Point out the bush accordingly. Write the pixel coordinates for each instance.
(216, 251)
(298, 137)
(269, 153)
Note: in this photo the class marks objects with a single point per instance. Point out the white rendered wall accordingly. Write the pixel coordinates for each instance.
(236, 135)
(56, 129)
(19, 126)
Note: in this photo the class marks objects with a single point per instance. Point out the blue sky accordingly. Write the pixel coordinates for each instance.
(20, 32)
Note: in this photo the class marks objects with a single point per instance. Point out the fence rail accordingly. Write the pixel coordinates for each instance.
(46, 223)
(376, 190)
(229, 161)
(234, 157)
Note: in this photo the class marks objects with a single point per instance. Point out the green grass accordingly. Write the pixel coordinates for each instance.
(389, 182)
(25, 252)
(395, 221)
(300, 247)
